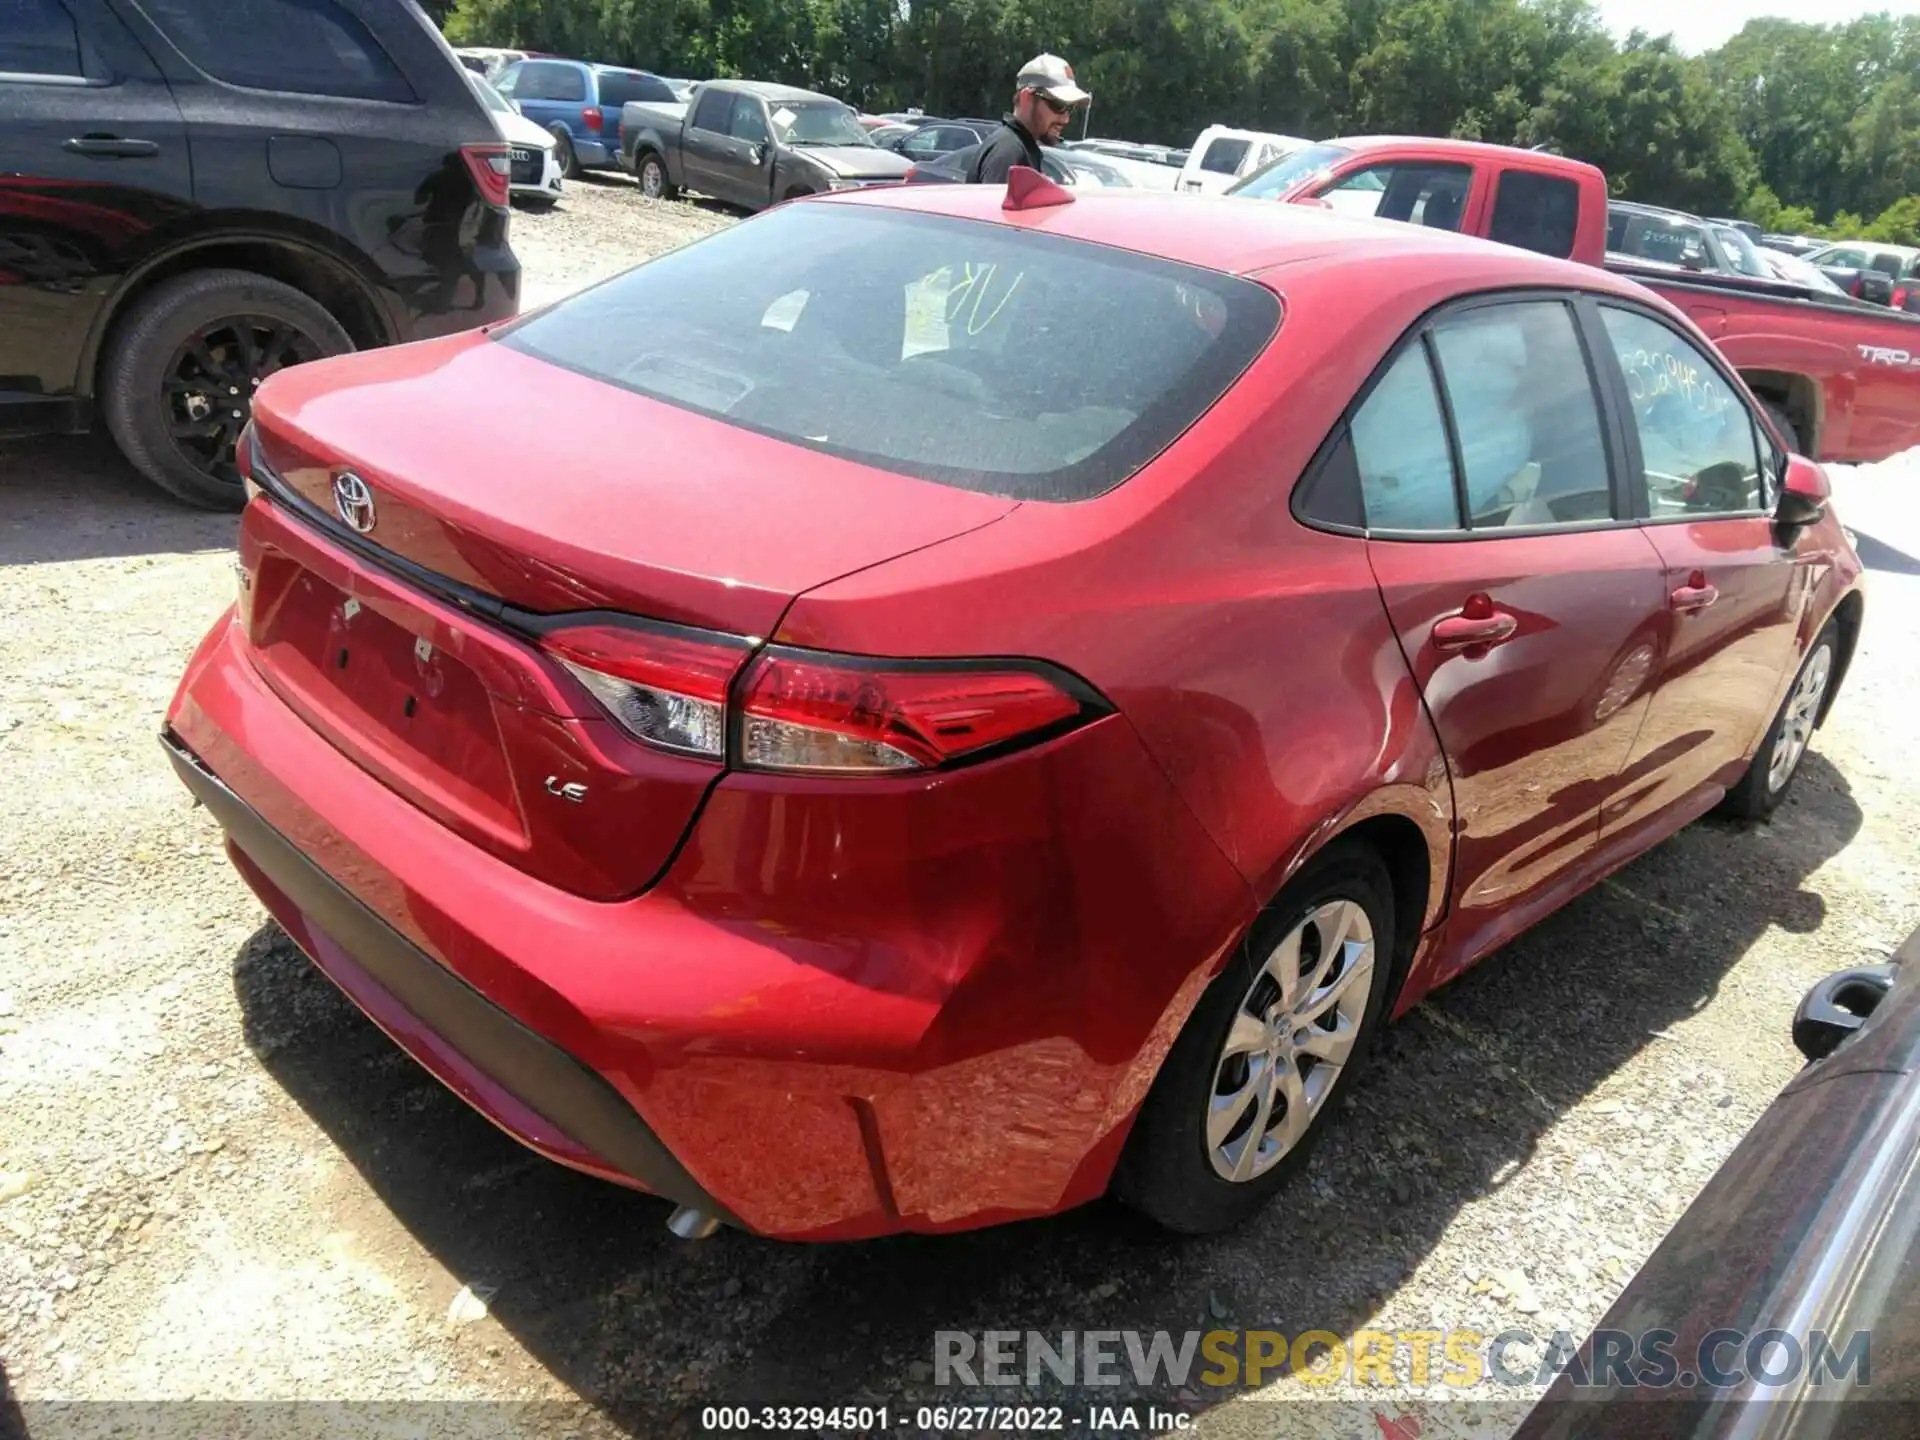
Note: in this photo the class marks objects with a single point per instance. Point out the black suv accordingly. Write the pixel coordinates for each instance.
(194, 195)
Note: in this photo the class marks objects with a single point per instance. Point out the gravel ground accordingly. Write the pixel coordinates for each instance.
(219, 1183)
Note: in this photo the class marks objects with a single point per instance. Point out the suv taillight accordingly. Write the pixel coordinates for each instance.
(491, 171)
(809, 713)
(592, 117)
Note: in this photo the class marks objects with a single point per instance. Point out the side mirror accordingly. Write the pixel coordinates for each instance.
(1694, 257)
(1804, 496)
(758, 154)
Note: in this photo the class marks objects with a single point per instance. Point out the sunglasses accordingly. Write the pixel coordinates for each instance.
(1058, 107)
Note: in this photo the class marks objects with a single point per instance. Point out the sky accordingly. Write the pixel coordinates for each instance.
(1698, 25)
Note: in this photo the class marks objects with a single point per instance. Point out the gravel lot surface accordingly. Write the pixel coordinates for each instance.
(218, 1182)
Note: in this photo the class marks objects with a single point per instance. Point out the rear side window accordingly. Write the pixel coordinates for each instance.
(38, 37)
(972, 355)
(714, 111)
(1400, 447)
(1488, 421)
(1536, 212)
(1525, 411)
(1224, 155)
(617, 89)
(304, 47)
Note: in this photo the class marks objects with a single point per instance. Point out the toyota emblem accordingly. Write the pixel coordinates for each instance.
(354, 500)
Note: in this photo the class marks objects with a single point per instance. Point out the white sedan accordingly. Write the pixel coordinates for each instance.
(534, 175)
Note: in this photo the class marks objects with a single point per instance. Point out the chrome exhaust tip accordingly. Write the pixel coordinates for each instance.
(691, 1224)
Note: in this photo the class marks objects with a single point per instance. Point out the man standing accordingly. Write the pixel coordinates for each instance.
(1042, 105)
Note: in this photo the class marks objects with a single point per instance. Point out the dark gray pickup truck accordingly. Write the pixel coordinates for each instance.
(752, 144)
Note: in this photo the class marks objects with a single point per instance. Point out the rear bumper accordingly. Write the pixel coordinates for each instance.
(595, 154)
(842, 1012)
(524, 1083)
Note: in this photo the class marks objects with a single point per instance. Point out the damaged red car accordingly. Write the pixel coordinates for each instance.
(983, 707)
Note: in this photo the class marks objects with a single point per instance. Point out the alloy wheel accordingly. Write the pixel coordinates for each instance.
(1293, 1031)
(211, 380)
(652, 182)
(1796, 722)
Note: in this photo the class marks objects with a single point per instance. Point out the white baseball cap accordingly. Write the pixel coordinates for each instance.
(1052, 77)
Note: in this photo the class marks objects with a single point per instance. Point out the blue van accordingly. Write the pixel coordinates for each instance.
(580, 104)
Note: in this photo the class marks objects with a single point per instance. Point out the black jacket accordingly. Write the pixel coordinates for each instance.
(1012, 144)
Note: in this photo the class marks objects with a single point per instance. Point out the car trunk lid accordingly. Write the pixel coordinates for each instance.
(428, 516)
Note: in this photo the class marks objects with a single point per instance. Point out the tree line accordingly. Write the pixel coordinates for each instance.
(1805, 128)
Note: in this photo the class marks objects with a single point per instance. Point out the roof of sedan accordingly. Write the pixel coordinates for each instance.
(1238, 237)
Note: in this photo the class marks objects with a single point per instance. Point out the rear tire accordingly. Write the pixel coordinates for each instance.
(1778, 760)
(563, 155)
(652, 174)
(1206, 1153)
(181, 366)
(1785, 426)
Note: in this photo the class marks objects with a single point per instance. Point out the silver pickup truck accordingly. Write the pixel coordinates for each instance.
(751, 144)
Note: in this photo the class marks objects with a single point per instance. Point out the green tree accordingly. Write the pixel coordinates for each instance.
(1898, 224)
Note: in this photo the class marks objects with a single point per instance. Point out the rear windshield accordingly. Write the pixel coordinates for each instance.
(1224, 155)
(962, 352)
(616, 89)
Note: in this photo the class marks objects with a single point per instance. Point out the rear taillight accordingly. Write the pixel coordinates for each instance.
(807, 713)
(491, 172)
(664, 686)
(1899, 301)
(913, 173)
(592, 117)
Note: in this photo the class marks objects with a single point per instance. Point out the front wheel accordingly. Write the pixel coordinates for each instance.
(183, 366)
(1245, 1091)
(1777, 761)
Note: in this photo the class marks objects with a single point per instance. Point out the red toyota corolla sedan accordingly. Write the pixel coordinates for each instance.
(908, 714)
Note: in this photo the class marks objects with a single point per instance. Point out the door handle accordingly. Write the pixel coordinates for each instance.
(1695, 595)
(1479, 624)
(110, 147)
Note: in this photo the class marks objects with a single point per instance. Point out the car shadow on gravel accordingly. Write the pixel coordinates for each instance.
(1459, 1096)
(73, 497)
(1878, 555)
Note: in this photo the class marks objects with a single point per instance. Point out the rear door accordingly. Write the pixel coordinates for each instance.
(299, 108)
(1703, 476)
(94, 175)
(1528, 605)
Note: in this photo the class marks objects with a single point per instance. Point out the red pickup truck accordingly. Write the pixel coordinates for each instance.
(1842, 376)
